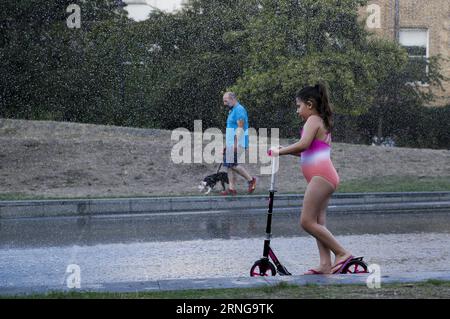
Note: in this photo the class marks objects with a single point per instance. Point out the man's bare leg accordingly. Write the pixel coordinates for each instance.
(243, 172)
(232, 178)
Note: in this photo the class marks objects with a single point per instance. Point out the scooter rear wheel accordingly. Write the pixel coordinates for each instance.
(263, 268)
(355, 267)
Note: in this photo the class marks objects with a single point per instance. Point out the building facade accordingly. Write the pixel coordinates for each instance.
(422, 26)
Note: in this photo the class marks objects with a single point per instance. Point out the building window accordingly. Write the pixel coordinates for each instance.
(416, 43)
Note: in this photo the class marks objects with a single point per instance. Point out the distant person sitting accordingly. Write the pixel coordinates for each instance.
(236, 144)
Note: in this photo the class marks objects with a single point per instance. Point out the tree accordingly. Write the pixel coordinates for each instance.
(397, 110)
(192, 64)
(47, 70)
(293, 43)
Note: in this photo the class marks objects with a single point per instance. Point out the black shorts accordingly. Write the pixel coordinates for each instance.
(230, 164)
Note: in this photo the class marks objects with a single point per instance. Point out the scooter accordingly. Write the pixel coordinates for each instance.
(264, 267)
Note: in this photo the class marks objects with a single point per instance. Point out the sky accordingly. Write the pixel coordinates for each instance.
(140, 12)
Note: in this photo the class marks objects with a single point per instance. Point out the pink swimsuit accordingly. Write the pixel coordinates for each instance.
(316, 161)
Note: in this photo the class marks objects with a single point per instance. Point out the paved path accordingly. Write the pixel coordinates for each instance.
(138, 252)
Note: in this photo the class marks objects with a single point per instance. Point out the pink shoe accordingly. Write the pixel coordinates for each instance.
(342, 265)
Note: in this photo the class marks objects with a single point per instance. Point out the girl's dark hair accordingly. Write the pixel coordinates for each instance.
(318, 96)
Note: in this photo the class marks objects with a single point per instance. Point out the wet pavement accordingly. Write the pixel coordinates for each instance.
(143, 248)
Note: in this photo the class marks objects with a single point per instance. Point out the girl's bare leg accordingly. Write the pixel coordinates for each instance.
(317, 193)
(324, 252)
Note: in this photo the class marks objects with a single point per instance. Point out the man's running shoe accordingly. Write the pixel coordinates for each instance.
(252, 185)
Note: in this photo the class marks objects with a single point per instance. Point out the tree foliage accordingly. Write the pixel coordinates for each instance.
(296, 43)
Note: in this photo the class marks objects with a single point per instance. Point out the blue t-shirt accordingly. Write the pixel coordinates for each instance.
(237, 113)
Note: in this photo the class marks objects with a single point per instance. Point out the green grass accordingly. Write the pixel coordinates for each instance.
(425, 290)
(19, 196)
(396, 184)
(367, 185)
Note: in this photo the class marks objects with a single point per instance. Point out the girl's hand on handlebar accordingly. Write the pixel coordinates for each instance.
(274, 152)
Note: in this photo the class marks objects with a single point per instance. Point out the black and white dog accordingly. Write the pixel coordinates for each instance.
(209, 182)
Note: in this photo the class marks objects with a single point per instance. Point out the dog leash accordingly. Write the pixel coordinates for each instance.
(220, 166)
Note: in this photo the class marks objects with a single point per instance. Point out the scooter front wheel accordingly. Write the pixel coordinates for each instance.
(263, 268)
